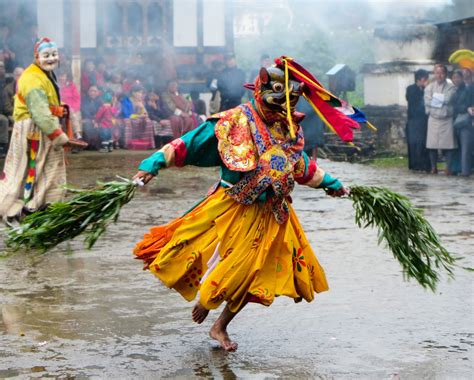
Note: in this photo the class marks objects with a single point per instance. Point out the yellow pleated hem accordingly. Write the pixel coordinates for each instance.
(233, 253)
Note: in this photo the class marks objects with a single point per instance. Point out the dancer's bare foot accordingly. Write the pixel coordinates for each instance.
(220, 334)
(199, 313)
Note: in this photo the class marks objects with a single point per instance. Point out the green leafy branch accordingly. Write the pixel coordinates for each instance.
(88, 212)
(410, 237)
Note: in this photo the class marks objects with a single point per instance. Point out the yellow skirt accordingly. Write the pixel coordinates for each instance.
(234, 253)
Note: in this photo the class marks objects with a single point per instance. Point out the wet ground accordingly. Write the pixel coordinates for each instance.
(74, 313)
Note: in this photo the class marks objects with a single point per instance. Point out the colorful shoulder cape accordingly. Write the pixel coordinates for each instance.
(267, 154)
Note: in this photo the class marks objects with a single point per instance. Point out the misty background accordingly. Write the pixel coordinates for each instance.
(318, 33)
(323, 33)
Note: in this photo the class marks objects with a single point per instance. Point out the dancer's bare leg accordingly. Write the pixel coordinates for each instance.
(219, 329)
(199, 313)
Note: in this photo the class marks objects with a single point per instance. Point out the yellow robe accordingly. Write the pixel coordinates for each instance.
(223, 249)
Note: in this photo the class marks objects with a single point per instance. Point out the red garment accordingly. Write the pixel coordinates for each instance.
(105, 116)
(88, 79)
(70, 95)
(127, 86)
(99, 79)
(181, 124)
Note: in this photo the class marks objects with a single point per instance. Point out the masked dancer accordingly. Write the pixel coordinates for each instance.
(243, 243)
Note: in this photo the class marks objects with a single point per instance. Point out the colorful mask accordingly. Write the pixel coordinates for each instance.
(46, 54)
(277, 90)
(272, 89)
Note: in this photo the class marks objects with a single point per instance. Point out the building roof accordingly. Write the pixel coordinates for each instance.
(462, 21)
(335, 69)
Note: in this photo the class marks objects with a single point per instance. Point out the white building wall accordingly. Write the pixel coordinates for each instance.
(51, 20)
(213, 23)
(88, 23)
(185, 23)
(386, 89)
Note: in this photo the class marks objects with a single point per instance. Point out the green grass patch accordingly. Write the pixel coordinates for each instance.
(388, 162)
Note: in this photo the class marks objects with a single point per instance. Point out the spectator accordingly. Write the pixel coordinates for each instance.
(178, 110)
(153, 108)
(105, 119)
(114, 84)
(265, 61)
(70, 96)
(126, 106)
(417, 123)
(313, 128)
(138, 102)
(89, 76)
(216, 70)
(101, 74)
(7, 56)
(230, 84)
(10, 91)
(439, 108)
(90, 104)
(4, 122)
(199, 107)
(462, 124)
(128, 82)
(139, 129)
(133, 106)
(162, 126)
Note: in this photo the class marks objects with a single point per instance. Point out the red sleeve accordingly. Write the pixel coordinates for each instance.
(305, 169)
(100, 113)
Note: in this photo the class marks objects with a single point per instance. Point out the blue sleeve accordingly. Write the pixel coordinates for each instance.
(330, 182)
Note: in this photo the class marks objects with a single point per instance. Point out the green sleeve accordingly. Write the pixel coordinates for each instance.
(154, 163)
(38, 106)
(201, 146)
(197, 147)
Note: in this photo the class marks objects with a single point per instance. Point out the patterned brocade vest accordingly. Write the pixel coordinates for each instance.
(266, 154)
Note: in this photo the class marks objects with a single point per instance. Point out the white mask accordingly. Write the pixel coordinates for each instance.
(48, 58)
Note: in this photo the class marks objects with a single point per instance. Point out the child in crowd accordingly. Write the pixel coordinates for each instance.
(105, 119)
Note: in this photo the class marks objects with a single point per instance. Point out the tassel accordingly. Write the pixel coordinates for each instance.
(288, 106)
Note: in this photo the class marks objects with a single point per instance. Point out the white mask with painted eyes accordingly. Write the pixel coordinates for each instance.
(48, 59)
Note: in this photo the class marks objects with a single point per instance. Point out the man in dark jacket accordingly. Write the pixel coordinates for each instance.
(417, 121)
(230, 84)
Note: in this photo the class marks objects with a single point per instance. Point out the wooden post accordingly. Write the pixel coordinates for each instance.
(76, 43)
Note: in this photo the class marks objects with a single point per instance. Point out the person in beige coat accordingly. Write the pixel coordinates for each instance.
(439, 108)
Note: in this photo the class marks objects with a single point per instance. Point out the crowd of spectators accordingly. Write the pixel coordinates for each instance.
(116, 108)
(440, 120)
